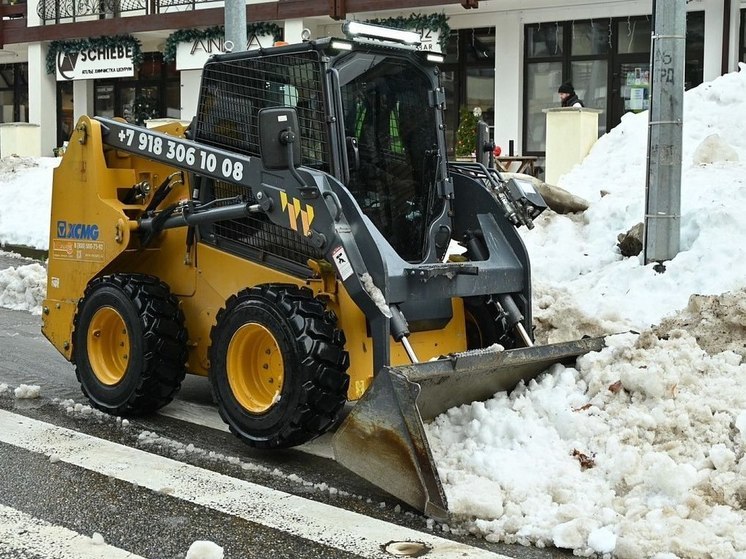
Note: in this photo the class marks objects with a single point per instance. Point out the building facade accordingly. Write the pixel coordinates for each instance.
(140, 59)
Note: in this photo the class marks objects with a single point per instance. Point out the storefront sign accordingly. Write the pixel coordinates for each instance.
(94, 63)
(429, 40)
(194, 54)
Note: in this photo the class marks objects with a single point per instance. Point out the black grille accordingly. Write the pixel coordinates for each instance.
(234, 91)
(258, 232)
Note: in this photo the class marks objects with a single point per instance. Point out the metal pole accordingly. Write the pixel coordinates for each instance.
(663, 187)
(235, 25)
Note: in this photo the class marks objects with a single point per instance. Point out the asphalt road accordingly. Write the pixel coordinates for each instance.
(159, 525)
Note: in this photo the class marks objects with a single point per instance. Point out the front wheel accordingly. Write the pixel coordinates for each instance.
(485, 324)
(129, 344)
(278, 366)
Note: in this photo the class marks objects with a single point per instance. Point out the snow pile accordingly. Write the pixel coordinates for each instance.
(26, 188)
(27, 392)
(582, 284)
(202, 549)
(97, 539)
(23, 288)
(639, 452)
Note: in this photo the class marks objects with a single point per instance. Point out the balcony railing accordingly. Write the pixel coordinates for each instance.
(68, 11)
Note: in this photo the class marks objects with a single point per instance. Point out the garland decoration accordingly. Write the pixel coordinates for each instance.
(466, 133)
(79, 45)
(434, 22)
(216, 32)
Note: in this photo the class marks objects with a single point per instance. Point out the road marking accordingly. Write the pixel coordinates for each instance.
(208, 416)
(21, 532)
(318, 522)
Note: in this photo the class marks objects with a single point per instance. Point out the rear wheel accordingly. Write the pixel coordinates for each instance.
(277, 366)
(484, 326)
(129, 344)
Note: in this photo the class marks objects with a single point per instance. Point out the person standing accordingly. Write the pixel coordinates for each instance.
(568, 97)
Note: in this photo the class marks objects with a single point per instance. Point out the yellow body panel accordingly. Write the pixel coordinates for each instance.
(89, 186)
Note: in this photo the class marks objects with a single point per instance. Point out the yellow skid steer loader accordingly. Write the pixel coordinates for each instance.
(292, 244)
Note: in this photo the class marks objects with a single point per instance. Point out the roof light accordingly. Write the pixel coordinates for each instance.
(357, 29)
(436, 58)
(341, 45)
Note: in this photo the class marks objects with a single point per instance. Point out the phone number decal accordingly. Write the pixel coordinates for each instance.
(191, 156)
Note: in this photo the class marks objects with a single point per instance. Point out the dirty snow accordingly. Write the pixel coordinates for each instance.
(639, 452)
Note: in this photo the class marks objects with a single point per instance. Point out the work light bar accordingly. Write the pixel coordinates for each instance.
(341, 45)
(357, 29)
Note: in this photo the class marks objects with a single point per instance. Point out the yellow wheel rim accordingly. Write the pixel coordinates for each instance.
(255, 368)
(108, 346)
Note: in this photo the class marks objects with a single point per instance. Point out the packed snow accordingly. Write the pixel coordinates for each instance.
(27, 391)
(639, 450)
(202, 549)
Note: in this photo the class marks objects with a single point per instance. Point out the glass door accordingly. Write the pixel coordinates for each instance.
(631, 88)
(139, 103)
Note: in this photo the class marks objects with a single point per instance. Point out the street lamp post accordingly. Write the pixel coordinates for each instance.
(235, 25)
(663, 186)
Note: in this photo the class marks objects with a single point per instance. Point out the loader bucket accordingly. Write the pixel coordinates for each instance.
(383, 438)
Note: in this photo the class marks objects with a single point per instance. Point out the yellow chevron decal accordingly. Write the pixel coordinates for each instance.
(295, 210)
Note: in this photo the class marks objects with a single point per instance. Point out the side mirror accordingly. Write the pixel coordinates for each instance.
(279, 138)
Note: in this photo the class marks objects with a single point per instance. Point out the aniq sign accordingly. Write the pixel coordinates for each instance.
(94, 63)
(193, 55)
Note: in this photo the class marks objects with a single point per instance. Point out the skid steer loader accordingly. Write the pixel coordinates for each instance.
(292, 244)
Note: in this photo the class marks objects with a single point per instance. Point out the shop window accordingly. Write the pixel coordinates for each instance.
(608, 63)
(590, 79)
(104, 100)
(480, 91)
(634, 36)
(695, 49)
(544, 40)
(541, 92)
(154, 93)
(14, 92)
(590, 38)
(173, 100)
(64, 111)
(468, 77)
(742, 58)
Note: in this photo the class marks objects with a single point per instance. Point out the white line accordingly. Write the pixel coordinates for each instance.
(21, 532)
(208, 416)
(318, 522)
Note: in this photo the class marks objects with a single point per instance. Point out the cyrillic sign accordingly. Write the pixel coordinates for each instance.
(95, 63)
(429, 40)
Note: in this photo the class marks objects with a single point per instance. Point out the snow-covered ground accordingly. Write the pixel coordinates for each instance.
(637, 452)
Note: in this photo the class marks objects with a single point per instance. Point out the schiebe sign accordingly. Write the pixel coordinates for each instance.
(96, 62)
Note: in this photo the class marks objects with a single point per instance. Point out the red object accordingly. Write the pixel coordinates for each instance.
(497, 151)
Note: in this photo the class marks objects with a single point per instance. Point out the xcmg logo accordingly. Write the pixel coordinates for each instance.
(86, 231)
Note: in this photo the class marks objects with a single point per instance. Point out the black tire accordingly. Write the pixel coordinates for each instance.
(278, 366)
(484, 327)
(138, 314)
